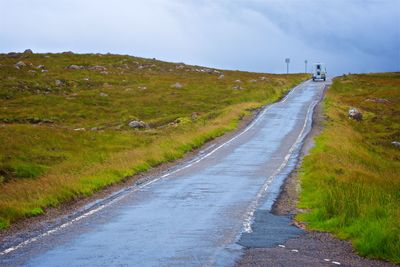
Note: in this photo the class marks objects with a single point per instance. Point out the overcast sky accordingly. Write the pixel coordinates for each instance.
(253, 35)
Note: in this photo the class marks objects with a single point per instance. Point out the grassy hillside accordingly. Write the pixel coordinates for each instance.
(64, 130)
(351, 179)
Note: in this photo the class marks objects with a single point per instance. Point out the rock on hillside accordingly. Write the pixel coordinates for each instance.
(138, 125)
(355, 114)
(177, 85)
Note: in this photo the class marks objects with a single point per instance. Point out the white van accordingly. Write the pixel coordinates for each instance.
(319, 72)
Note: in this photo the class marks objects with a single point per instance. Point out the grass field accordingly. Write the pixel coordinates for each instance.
(351, 179)
(64, 132)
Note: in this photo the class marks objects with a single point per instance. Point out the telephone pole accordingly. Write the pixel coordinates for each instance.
(287, 60)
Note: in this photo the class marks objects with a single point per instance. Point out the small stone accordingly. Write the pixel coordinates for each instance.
(86, 79)
(263, 78)
(40, 67)
(104, 72)
(103, 94)
(253, 81)
(177, 86)
(142, 88)
(238, 81)
(45, 71)
(221, 77)
(79, 129)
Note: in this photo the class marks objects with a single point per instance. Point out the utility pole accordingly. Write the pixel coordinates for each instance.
(305, 63)
(287, 60)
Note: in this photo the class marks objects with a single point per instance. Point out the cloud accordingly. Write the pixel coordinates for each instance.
(255, 35)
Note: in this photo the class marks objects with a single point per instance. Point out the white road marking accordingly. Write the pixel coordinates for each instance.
(294, 250)
(327, 260)
(336, 262)
(93, 211)
(282, 246)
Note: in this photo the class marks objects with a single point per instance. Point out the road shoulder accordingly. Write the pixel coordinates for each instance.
(311, 248)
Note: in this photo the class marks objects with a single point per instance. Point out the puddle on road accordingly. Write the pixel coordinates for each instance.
(269, 230)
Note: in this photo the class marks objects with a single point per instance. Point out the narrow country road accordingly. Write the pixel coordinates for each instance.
(198, 214)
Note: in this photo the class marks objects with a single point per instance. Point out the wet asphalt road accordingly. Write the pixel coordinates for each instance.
(199, 214)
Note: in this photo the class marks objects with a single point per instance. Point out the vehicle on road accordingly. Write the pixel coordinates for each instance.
(319, 72)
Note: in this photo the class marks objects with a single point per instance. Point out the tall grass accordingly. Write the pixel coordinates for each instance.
(62, 142)
(351, 179)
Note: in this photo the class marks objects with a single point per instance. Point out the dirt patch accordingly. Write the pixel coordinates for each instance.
(312, 248)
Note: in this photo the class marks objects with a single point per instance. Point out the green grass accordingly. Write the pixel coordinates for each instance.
(59, 143)
(351, 179)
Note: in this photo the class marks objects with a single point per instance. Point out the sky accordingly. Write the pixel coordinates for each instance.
(252, 35)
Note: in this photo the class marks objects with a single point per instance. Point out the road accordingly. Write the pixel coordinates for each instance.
(201, 213)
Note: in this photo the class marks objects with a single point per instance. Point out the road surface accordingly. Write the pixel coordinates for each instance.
(202, 213)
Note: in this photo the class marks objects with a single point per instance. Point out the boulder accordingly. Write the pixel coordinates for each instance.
(28, 51)
(20, 64)
(13, 54)
(377, 100)
(59, 83)
(138, 125)
(238, 81)
(177, 86)
(75, 67)
(263, 78)
(396, 144)
(97, 68)
(237, 87)
(221, 77)
(40, 67)
(355, 114)
(195, 115)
